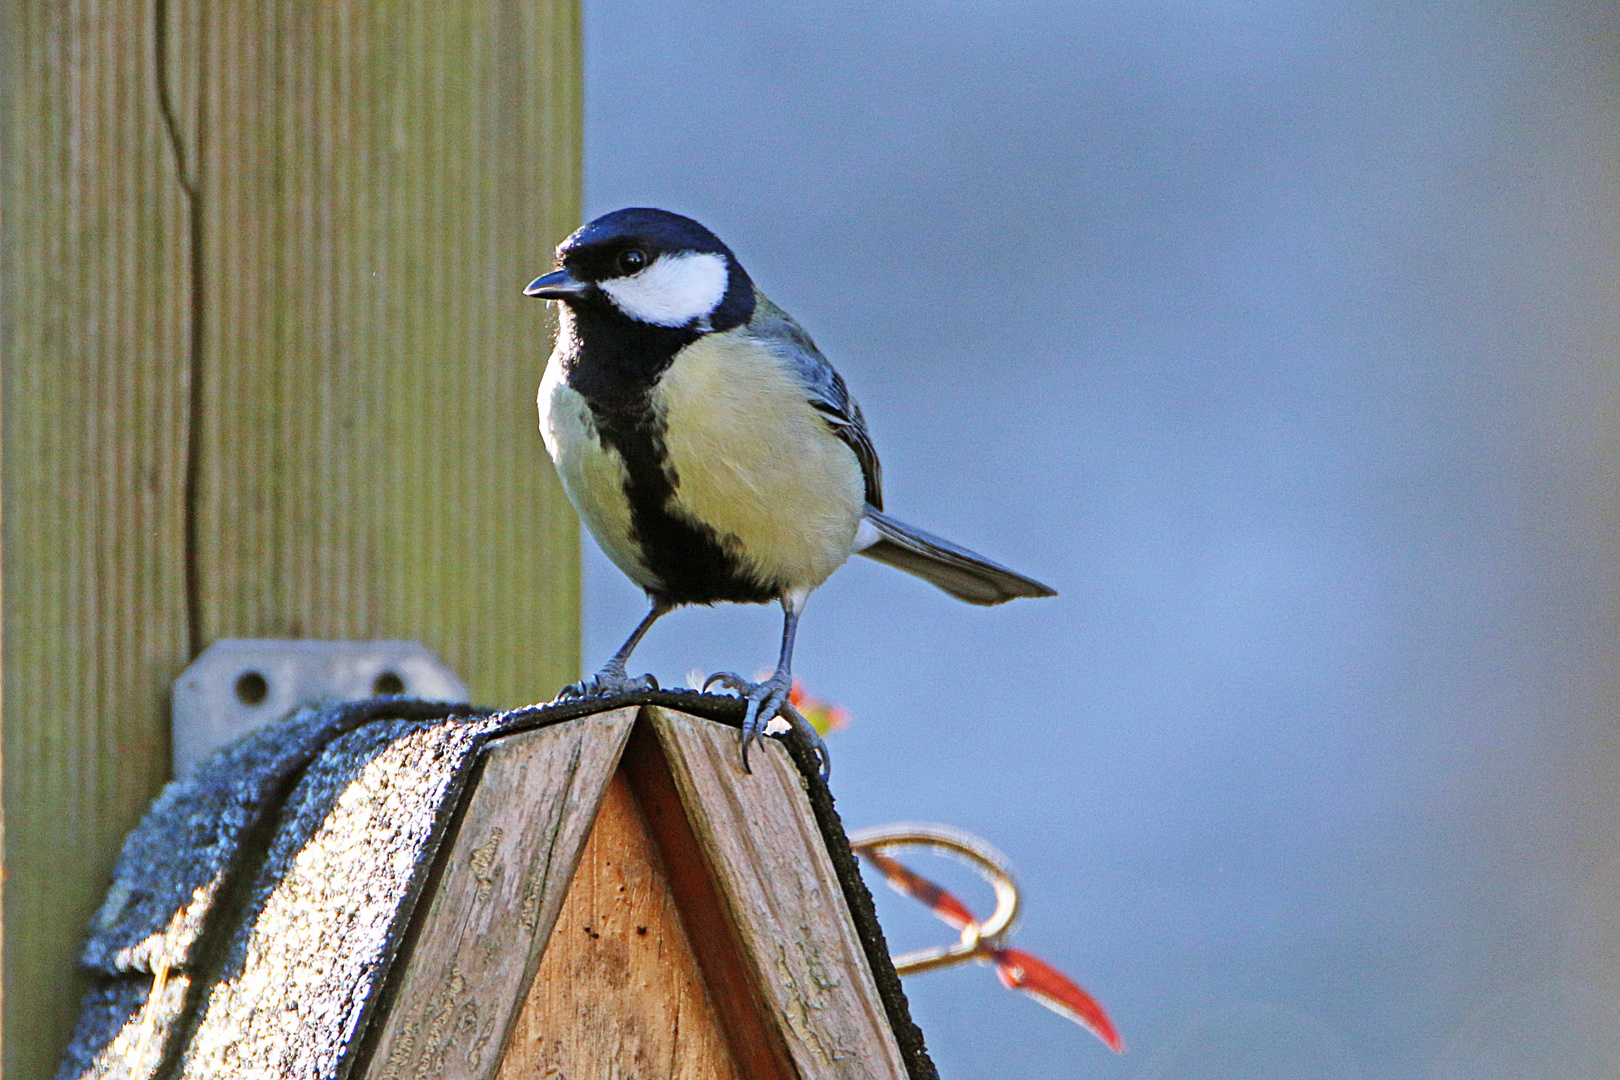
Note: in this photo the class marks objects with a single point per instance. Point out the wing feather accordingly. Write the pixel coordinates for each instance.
(824, 388)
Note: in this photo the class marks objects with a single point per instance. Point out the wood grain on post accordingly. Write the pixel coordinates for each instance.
(264, 371)
(378, 182)
(94, 272)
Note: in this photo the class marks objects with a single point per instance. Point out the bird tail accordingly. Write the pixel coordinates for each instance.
(957, 570)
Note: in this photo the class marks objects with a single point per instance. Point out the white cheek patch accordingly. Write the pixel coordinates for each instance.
(673, 291)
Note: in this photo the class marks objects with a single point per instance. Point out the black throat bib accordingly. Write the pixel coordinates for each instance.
(614, 363)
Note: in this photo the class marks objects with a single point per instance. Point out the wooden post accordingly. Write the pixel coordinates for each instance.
(264, 371)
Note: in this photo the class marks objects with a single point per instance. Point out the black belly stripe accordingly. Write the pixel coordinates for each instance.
(692, 562)
(614, 363)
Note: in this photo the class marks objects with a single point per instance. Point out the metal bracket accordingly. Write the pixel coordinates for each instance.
(237, 685)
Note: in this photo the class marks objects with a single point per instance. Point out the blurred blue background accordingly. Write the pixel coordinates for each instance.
(1283, 340)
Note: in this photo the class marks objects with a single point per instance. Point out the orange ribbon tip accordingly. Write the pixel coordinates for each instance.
(1018, 970)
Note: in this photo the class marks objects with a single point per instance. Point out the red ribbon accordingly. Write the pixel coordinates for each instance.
(1017, 969)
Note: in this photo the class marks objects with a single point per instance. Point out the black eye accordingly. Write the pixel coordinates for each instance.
(632, 261)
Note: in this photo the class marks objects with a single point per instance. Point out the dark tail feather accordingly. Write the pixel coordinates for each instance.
(957, 570)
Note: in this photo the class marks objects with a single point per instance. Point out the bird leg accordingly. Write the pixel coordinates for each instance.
(613, 679)
(772, 698)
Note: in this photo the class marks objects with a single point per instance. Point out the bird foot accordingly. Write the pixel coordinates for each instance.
(766, 701)
(608, 682)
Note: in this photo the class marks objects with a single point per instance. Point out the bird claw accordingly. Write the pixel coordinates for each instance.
(766, 701)
(728, 681)
(808, 731)
(608, 682)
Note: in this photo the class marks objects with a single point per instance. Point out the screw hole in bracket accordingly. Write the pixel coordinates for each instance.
(388, 684)
(251, 689)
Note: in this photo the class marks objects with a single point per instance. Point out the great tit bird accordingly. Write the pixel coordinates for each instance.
(711, 449)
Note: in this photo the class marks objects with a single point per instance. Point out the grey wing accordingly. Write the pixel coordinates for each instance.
(824, 388)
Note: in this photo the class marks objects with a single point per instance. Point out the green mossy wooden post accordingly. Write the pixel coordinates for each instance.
(266, 373)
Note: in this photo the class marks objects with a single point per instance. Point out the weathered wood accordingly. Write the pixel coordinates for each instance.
(704, 935)
(504, 880)
(620, 992)
(760, 840)
(291, 333)
(757, 1042)
(94, 340)
(377, 183)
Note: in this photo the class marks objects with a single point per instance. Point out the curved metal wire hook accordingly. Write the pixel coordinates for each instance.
(979, 938)
(982, 939)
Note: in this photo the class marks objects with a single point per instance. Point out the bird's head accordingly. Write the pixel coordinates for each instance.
(650, 267)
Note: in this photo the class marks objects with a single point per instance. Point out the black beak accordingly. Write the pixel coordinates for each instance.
(556, 285)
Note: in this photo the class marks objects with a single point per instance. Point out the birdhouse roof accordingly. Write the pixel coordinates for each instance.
(256, 912)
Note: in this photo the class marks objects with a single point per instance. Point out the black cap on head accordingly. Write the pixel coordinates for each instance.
(621, 243)
(658, 230)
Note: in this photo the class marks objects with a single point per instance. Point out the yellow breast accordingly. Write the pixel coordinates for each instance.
(756, 463)
(592, 474)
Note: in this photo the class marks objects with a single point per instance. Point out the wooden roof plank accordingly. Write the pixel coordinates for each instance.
(508, 870)
(768, 858)
(757, 1044)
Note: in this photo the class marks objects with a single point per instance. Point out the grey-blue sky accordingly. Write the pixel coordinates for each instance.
(1282, 339)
